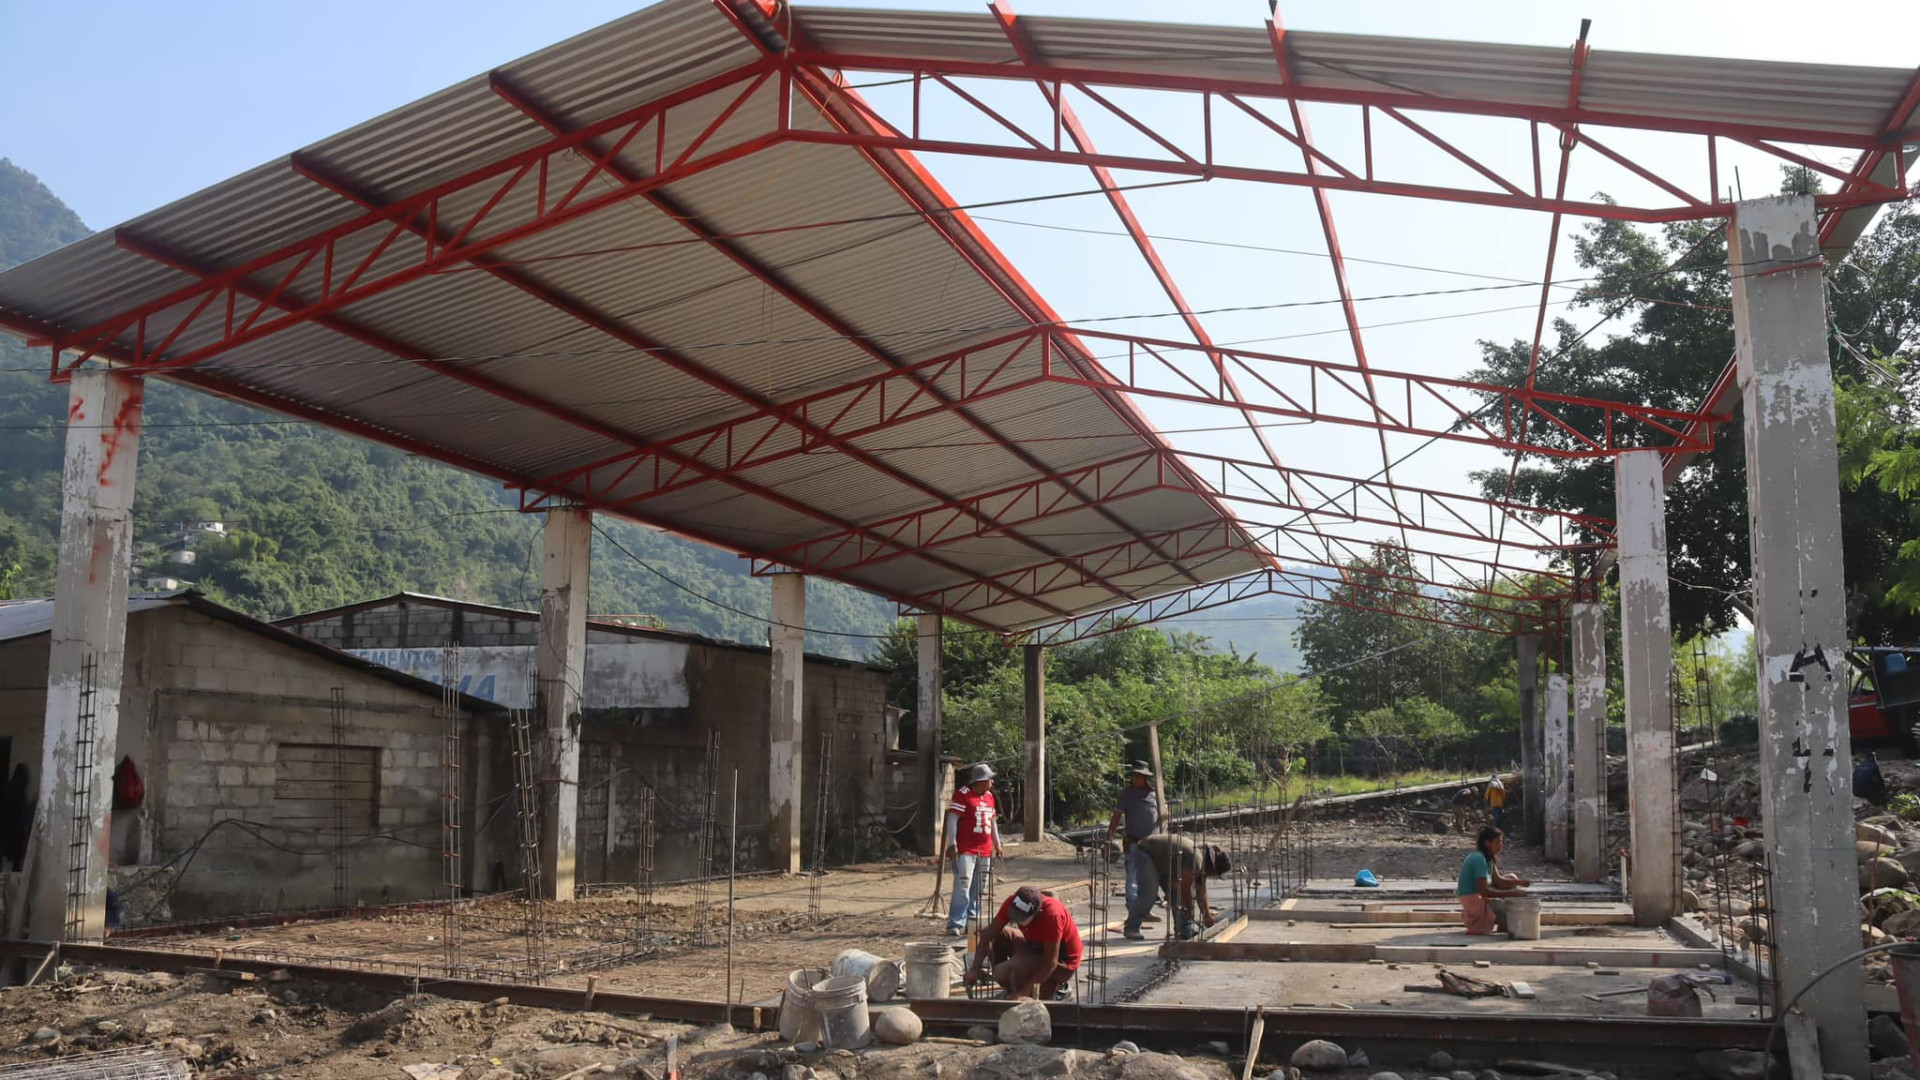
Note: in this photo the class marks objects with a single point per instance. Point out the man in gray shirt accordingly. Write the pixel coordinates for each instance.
(1139, 808)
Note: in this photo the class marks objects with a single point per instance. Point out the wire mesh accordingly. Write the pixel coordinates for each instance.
(80, 838)
(450, 773)
(142, 1063)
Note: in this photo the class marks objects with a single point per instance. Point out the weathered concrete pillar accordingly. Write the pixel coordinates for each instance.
(1589, 741)
(1533, 805)
(87, 654)
(1035, 814)
(1556, 755)
(562, 665)
(785, 725)
(932, 815)
(1646, 655)
(1800, 632)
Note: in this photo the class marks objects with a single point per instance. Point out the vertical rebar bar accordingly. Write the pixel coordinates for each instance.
(450, 780)
(1093, 965)
(707, 828)
(80, 809)
(820, 801)
(733, 848)
(341, 891)
(644, 880)
(527, 796)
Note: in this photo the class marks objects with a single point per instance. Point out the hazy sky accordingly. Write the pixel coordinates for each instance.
(121, 107)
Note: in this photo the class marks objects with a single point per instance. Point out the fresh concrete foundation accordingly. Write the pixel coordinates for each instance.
(1800, 631)
(1589, 741)
(1646, 644)
(561, 663)
(86, 657)
(786, 744)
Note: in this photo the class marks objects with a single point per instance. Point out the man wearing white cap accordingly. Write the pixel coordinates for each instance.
(972, 842)
(1139, 810)
(1034, 947)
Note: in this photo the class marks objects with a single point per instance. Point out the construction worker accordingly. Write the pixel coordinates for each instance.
(1497, 802)
(1462, 806)
(1181, 868)
(972, 843)
(1033, 945)
(1482, 887)
(1139, 810)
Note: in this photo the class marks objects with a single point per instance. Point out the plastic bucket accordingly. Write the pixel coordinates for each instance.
(1523, 918)
(930, 967)
(799, 1018)
(842, 1001)
(882, 976)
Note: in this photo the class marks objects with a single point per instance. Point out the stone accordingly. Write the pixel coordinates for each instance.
(897, 1027)
(1320, 1056)
(1909, 857)
(1026, 1022)
(982, 1033)
(796, 1072)
(1218, 1049)
(1902, 923)
(931, 1068)
(43, 1036)
(1867, 850)
(1689, 900)
(1875, 834)
(806, 1048)
(1125, 1046)
(157, 1029)
(1882, 873)
(1488, 1074)
(1358, 1060)
(109, 1027)
(1148, 1065)
(1440, 1061)
(1020, 1061)
(1385, 1076)
(1886, 1038)
(1461, 1074)
(1732, 1064)
(1871, 935)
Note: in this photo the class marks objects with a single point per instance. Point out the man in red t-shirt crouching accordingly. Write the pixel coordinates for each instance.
(1033, 944)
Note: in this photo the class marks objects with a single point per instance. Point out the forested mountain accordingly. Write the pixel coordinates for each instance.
(315, 518)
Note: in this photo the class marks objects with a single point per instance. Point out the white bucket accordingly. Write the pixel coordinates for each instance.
(930, 969)
(799, 1018)
(882, 976)
(842, 1001)
(1523, 918)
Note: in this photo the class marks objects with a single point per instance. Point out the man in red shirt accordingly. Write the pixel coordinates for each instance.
(1033, 944)
(972, 842)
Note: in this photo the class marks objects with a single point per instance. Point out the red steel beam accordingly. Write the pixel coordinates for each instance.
(796, 296)
(884, 135)
(362, 257)
(1323, 208)
(1232, 590)
(1028, 52)
(612, 328)
(1869, 162)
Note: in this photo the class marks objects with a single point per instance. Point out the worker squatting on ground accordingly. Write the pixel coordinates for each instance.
(1033, 945)
(972, 842)
(1180, 867)
(1138, 809)
(1482, 885)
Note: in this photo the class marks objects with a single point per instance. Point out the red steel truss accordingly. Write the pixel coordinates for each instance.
(1463, 615)
(576, 172)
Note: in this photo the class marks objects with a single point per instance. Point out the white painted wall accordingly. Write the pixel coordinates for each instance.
(620, 675)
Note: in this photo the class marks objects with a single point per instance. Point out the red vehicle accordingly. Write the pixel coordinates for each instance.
(1883, 703)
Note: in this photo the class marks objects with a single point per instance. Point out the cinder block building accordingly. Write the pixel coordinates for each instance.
(277, 773)
(665, 713)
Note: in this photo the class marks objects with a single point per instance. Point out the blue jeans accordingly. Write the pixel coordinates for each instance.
(969, 879)
(1136, 862)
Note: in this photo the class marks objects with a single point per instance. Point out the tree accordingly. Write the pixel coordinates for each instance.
(1673, 286)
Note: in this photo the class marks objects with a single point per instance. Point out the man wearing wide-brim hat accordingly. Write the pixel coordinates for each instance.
(972, 842)
(1138, 810)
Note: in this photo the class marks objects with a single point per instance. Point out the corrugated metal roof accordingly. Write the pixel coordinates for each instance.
(728, 340)
(25, 618)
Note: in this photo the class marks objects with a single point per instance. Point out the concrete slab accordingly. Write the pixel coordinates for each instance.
(1612, 947)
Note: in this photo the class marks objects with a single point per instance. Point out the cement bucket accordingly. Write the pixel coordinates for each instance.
(799, 1017)
(1523, 918)
(882, 976)
(930, 967)
(842, 1001)
(1906, 980)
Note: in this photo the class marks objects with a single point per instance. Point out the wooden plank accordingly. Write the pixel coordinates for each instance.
(1254, 1038)
(1233, 930)
(1803, 1046)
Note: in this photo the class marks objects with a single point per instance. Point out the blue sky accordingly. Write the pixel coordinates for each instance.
(121, 107)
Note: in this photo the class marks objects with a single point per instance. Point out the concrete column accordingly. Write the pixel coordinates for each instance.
(785, 725)
(1646, 646)
(1589, 741)
(87, 653)
(1533, 805)
(1036, 684)
(562, 665)
(1800, 632)
(1556, 755)
(932, 814)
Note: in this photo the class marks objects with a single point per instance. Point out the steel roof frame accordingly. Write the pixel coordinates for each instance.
(316, 279)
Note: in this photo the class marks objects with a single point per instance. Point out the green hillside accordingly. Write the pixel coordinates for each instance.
(315, 518)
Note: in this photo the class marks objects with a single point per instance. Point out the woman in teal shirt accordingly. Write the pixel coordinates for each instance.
(1482, 884)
